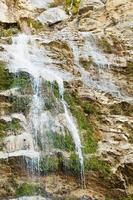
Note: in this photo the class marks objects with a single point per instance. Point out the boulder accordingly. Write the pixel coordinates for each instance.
(52, 16)
(90, 4)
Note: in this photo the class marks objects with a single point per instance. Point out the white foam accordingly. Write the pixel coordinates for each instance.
(26, 153)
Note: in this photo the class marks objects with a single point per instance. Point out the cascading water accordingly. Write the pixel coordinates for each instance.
(24, 55)
(102, 81)
(74, 131)
(36, 108)
(75, 134)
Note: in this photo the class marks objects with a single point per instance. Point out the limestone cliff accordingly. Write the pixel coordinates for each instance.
(87, 47)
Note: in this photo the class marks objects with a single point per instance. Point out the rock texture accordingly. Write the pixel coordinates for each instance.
(94, 49)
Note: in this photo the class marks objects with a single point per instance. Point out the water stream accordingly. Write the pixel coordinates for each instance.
(25, 55)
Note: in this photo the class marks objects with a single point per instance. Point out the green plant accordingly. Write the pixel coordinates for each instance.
(130, 197)
(107, 198)
(74, 163)
(96, 164)
(26, 189)
(20, 104)
(13, 125)
(78, 109)
(49, 164)
(64, 142)
(23, 81)
(33, 23)
(6, 79)
(130, 67)
(55, 89)
(105, 45)
(8, 29)
(74, 4)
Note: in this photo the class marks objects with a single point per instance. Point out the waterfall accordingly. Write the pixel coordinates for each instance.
(24, 55)
(104, 80)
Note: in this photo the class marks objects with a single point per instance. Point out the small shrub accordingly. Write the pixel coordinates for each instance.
(96, 164)
(33, 23)
(49, 164)
(6, 78)
(25, 189)
(75, 6)
(64, 142)
(73, 164)
(22, 80)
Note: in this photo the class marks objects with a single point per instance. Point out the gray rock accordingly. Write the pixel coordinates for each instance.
(52, 16)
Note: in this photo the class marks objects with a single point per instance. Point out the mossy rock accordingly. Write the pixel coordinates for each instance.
(96, 164)
(129, 197)
(129, 68)
(22, 80)
(20, 104)
(27, 189)
(13, 125)
(55, 89)
(73, 164)
(32, 23)
(111, 45)
(49, 164)
(74, 4)
(122, 108)
(7, 78)
(106, 46)
(87, 62)
(8, 29)
(80, 110)
(63, 142)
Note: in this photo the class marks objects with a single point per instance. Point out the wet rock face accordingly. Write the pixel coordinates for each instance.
(93, 52)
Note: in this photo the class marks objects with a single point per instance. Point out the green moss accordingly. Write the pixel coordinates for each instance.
(6, 78)
(105, 45)
(52, 5)
(20, 104)
(51, 94)
(13, 125)
(26, 189)
(96, 164)
(68, 2)
(8, 29)
(130, 67)
(107, 198)
(78, 109)
(130, 197)
(75, 6)
(64, 142)
(86, 63)
(73, 164)
(23, 81)
(33, 23)
(55, 89)
(49, 164)
(89, 108)
(116, 46)
(75, 9)
(9, 80)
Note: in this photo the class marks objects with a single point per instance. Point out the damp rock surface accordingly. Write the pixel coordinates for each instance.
(66, 104)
